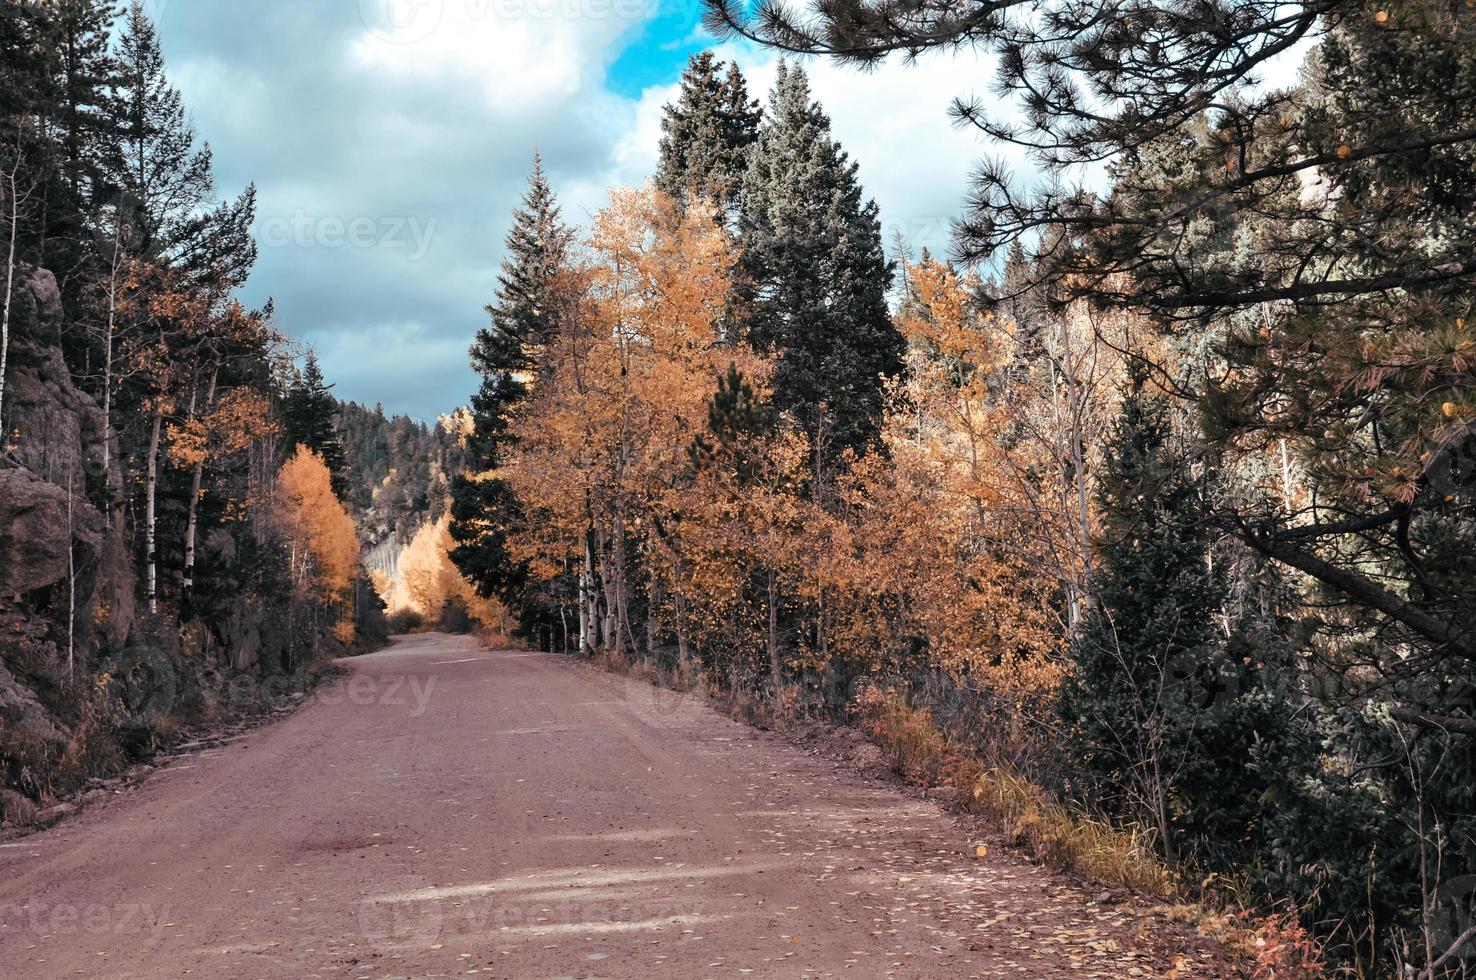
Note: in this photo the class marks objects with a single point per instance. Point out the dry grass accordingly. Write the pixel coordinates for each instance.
(1048, 831)
(497, 640)
(1266, 946)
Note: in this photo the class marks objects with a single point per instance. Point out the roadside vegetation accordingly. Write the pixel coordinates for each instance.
(177, 549)
(1151, 539)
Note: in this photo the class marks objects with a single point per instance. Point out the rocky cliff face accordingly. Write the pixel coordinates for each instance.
(65, 571)
(53, 429)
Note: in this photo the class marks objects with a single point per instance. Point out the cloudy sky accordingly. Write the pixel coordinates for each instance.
(390, 140)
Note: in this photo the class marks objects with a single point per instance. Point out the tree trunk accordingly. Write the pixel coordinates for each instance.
(622, 587)
(774, 666)
(583, 613)
(9, 291)
(588, 601)
(114, 492)
(192, 522)
(653, 616)
(683, 653)
(611, 628)
(151, 486)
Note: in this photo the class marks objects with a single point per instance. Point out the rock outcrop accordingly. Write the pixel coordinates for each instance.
(52, 428)
(66, 576)
(55, 445)
(45, 531)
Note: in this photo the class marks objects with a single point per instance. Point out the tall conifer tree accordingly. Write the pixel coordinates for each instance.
(162, 180)
(311, 410)
(1166, 702)
(523, 315)
(814, 278)
(706, 134)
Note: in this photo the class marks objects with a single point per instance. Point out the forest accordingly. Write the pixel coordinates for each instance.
(1142, 524)
(178, 540)
(1146, 521)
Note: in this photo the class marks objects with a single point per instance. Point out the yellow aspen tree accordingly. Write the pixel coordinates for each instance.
(322, 542)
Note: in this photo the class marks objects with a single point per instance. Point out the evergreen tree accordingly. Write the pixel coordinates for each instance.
(738, 423)
(20, 60)
(813, 277)
(84, 68)
(1161, 703)
(524, 314)
(161, 181)
(310, 417)
(1345, 201)
(706, 134)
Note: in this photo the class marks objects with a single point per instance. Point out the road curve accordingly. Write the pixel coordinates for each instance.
(443, 810)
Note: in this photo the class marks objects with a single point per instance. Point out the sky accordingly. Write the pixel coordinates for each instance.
(390, 140)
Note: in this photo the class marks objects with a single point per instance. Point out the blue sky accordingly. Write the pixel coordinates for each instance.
(391, 139)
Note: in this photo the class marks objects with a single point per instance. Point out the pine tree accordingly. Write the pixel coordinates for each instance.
(706, 134)
(162, 183)
(523, 315)
(1164, 701)
(738, 423)
(814, 278)
(79, 41)
(310, 417)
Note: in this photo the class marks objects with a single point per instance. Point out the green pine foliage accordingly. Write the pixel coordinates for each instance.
(159, 179)
(310, 420)
(813, 278)
(1165, 700)
(523, 316)
(738, 419)
(706, 134)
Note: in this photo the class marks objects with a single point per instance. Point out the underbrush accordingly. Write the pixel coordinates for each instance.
(1271, 946)
(1050, 832)
(66, 726)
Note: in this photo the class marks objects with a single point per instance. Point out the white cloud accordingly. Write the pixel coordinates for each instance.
(376, 114)
(523, 55)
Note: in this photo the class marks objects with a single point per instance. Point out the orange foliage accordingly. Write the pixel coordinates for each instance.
(956, 543)
(320, 534)
(239, 419)
(604, 449)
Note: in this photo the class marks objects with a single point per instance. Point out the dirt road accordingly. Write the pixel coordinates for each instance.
(443, 810)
